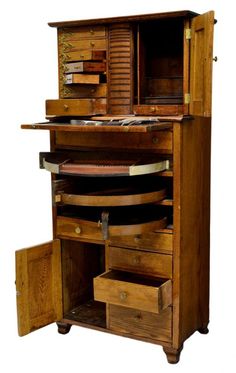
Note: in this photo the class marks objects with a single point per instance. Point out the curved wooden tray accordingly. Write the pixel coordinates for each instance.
(111, 199)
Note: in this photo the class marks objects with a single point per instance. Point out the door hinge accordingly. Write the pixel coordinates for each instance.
(188, 33)
(187, 98)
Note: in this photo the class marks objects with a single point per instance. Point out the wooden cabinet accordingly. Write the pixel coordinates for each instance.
(130, 167)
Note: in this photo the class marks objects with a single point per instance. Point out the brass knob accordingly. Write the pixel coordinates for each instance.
(215, 59)
(123, 295)
(66, 107)
(78, 230)
(153, 109)
(92, 43)
(91, 31)
(154, 140)
(93, 90)
(81, 56)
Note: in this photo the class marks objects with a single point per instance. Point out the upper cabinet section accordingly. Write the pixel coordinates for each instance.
(158, 64)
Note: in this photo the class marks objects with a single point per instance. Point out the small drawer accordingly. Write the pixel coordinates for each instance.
(74, 46)
(86, 91)
(82, 55)
(158, 109)
(85, 67)
(157, 242)
(133, 291)
(151, 264)
(141, 323)
(71, 107)
(77, 33)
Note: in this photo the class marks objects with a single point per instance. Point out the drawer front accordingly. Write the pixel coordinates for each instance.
(83, 55)
(158, 109)
(125, 289)
(160, 141)
(77, 33)
(140, 323)
(83, 91)
(137, 261)
(69, 107)
(90, 230)
(158, 242)
(74, 46)
(78, 229)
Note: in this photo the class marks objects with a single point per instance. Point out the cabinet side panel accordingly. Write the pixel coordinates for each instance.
(194, 226)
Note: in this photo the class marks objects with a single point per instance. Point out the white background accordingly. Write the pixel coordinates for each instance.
(28, 76)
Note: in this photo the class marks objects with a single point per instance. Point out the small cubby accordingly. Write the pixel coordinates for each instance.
(159, 54)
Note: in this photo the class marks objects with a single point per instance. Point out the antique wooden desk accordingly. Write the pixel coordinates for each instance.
(130, 164)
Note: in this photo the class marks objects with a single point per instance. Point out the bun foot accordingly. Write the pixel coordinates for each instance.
(172, 354)
(203, 330)
(63, 328)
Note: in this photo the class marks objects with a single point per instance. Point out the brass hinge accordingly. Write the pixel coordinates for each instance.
(188, 33)
(187, 98)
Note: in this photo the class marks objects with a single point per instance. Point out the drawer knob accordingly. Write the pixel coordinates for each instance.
(91, 31)
(66, 107)
(123, 295)
(138, 317)
(77, 230)
(92, 43)
(81, 56)
(154, 140)
(153, 109)
(136, 260)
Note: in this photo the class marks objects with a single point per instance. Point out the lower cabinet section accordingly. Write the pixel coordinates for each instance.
(141, 323)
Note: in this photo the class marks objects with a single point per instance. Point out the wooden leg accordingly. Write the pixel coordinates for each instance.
(203, 330)
(63, 328)
(172, 354)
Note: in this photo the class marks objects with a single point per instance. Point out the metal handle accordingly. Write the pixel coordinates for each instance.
(215, 59)
(78, 230)
(123, 295)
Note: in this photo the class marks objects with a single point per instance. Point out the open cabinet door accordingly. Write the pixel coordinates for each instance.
(38, 286)
(202, 28)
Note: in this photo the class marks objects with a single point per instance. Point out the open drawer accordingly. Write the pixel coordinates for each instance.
(133, 291)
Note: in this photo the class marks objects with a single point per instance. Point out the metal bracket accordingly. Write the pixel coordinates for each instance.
(105, 218)
(188, 33)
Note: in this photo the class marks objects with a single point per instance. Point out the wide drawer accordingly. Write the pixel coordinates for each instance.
(82, 229)
(158, 109)
(151, 264)
(70, 107)
(141, 323)
(157, 141)
(133, 291)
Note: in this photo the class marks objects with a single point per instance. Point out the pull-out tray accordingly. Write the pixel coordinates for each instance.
(89, 165)
(133, 291)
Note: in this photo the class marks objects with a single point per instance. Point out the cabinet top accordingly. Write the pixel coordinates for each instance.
(135, 18)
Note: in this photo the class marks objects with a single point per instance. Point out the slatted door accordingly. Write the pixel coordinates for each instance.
(120, 88)
(38, 286)
(201, 64)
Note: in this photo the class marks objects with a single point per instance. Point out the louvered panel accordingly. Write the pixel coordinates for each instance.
(120, 89)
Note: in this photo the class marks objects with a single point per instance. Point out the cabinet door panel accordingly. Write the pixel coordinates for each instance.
(201, 64)
(38, 285)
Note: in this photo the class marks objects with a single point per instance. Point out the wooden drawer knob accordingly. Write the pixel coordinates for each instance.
(123, 295)
(78, 230)
(138, 317)
(92, 43)
(153, 109)
(66, 107)
(91, 31)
